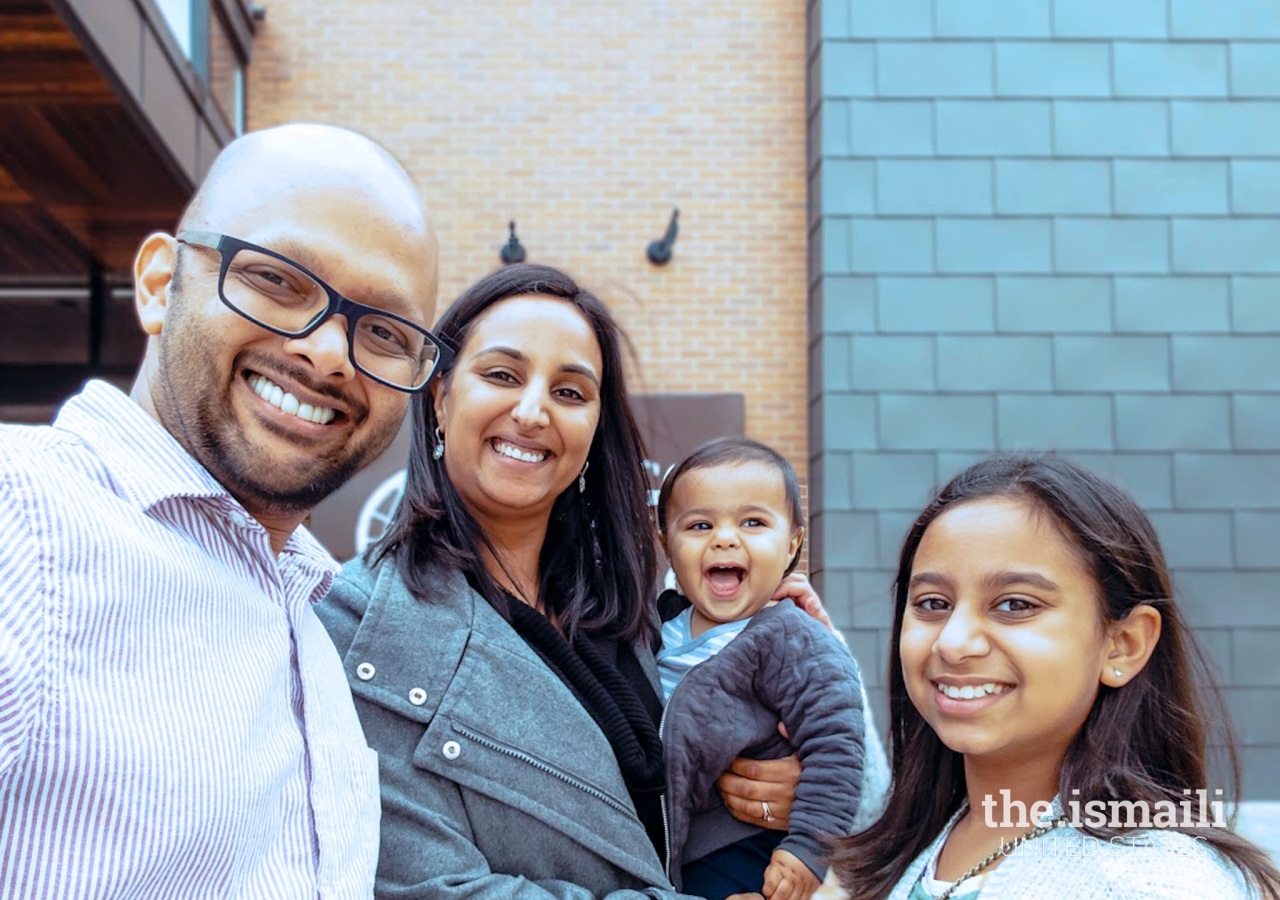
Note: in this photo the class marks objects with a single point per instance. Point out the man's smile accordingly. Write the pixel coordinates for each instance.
(286, 402)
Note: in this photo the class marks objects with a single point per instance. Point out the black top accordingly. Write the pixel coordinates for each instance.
(606, 677)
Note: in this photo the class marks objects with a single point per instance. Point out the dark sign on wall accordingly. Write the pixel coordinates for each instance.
(672, 425)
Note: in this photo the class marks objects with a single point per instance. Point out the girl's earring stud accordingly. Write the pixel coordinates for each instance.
(1119, 674)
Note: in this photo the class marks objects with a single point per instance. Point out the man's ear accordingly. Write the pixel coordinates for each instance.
(152, 276)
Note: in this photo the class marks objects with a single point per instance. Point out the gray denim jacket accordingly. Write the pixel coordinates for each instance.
(496, 783)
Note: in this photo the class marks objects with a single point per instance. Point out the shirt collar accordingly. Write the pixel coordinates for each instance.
(148, 466)
(146, 462)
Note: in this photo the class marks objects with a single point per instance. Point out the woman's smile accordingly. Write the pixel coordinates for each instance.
(520, 408)
(513, 450)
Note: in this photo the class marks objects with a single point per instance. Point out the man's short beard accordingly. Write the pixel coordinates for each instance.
(197, 425)
(256, 498)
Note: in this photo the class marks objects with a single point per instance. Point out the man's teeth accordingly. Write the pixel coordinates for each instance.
(972, 691)
(516, 453)
(275, 395)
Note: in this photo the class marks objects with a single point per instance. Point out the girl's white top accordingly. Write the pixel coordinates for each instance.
(1066, 864)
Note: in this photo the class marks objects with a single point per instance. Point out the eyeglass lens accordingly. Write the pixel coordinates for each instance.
(281, 296)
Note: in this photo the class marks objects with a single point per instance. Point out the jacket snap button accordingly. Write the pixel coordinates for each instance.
(365, 671)
(417, 696)
(451, 750)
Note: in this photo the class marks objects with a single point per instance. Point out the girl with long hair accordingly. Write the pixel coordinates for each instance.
(1046, 700)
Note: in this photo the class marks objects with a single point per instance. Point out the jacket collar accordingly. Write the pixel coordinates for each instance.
(479, 675)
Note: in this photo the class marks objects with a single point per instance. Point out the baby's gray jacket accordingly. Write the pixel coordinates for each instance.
(783, 667)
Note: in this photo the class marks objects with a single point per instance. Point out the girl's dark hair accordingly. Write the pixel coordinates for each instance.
(599, 567)
(1145, 741)
(727, 452)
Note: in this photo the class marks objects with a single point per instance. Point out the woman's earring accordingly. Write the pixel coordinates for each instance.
(1119, 674)
(439, 448)
(582, 478)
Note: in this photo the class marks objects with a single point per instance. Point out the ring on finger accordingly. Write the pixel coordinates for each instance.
(767, 815)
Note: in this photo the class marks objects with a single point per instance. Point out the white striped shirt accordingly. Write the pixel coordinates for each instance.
(681, 651)
(174, 720)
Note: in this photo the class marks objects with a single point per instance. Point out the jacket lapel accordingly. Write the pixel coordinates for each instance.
(500, 722)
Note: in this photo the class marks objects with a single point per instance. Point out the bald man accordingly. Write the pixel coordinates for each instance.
(174, 721)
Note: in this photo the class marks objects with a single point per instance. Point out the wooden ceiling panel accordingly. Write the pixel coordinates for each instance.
(33, 31)
(112, 146)
(10, 191)
(40, 59)
(35, 244)
(79, 176)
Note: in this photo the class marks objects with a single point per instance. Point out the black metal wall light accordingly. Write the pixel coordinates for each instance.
(512, 251)
(659, 251)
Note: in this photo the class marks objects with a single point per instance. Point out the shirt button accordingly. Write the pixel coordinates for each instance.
(365, 671)
(417, 696)
(237, 518)
(451, 750)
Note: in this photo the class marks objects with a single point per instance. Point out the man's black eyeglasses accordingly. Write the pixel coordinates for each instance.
(282, 296)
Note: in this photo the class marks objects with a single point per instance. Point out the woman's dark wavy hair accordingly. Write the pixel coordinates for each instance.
(1144, 741)
(599, 564)
(734, 451)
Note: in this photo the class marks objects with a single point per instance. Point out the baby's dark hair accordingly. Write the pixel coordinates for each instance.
(732, 451)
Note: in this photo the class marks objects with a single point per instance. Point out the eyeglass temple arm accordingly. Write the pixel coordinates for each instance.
(208, 239)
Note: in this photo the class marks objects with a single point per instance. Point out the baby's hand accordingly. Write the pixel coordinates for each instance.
(788, 879)
(796, 588)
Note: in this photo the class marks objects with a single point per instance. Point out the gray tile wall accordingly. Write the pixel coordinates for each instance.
(1053, 223)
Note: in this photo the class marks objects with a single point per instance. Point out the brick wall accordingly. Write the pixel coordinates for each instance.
(587, 123)
(1053, 223)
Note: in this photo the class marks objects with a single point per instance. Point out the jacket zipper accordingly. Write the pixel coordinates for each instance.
(543, 767)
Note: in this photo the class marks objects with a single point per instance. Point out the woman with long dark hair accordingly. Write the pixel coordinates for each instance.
(499, 638)
(1049, 734)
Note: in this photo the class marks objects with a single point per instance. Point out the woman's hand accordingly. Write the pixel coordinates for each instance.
(796, 588)
(750, 784)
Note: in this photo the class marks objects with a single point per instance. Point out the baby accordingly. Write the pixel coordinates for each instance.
(735, 664)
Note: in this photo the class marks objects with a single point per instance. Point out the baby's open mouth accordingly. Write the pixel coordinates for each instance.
(725, 580)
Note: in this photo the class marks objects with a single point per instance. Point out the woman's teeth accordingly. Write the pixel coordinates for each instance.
(515, 452)
(972, 691)
(278, 397)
